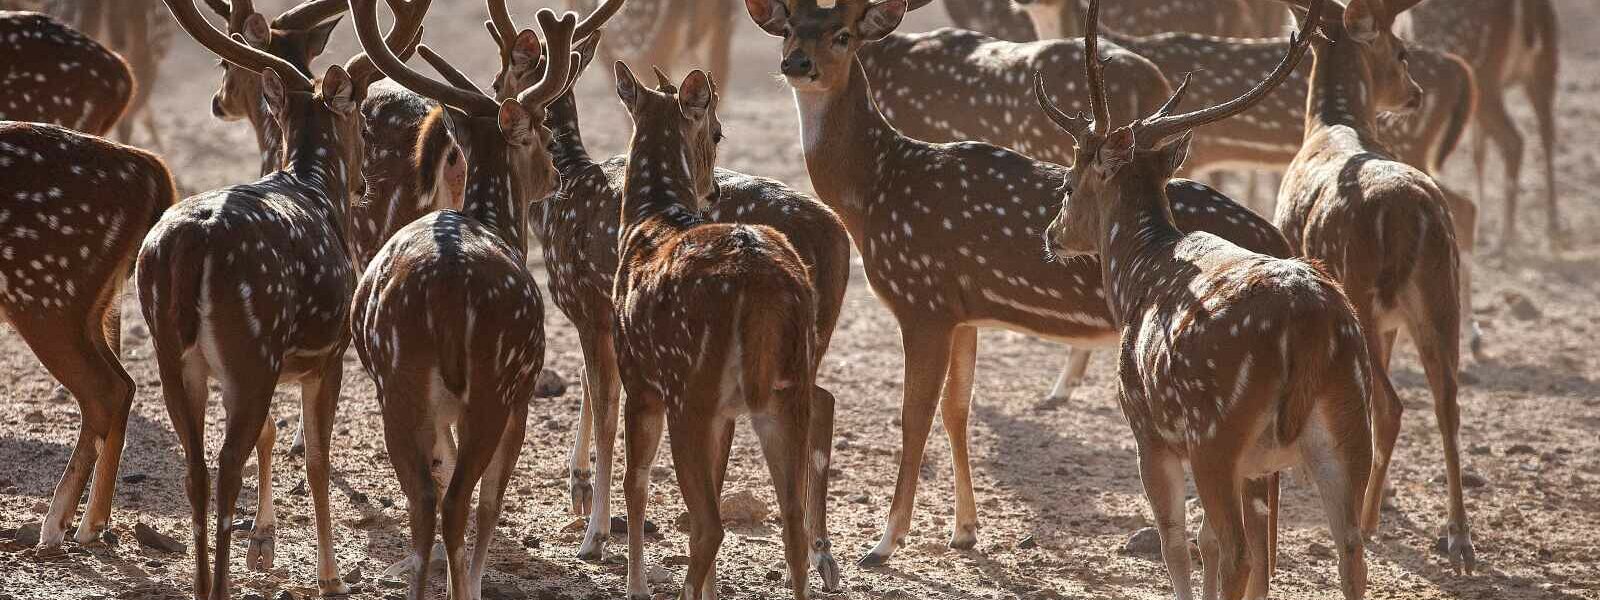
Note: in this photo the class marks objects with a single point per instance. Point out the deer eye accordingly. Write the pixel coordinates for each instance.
(842, 39)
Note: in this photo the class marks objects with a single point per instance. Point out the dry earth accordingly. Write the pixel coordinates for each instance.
(1062, 476)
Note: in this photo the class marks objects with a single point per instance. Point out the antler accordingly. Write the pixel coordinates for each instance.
(234, 11)
(596, 19)
(366, 22)
(1082, 128)
(504, 29)
(1154, 130)
(402, 39)
(309, 14)
(559, 60)
(1079, 127)
(233, 50)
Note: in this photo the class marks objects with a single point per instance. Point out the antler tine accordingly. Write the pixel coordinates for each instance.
(220, 7)
(502, 27)
(233, 50)
(1155, 130)
(1077, 127)
(310, 13)
(916, 4)
(366, 21)
(558, 61)
(1094, 69)
(596, 19)
(451, 75)
(402, 39)
(238, 11)
(663, 82)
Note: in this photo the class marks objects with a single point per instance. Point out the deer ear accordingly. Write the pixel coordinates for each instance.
(1115, 153)
(317, 38)
(275, 94)
(771, 15)
(257, 32)
(516, 124)
(1176, 151)
(338, 91)
(526, 51)
(627, 86)
(1361, 20)
(695, 95)
(881, 19)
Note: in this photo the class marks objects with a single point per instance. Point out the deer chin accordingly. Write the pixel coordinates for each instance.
(806, 83)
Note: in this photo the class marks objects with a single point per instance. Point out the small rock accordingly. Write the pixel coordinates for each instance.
(1319, 551)
(1516, 449)
(1521, 307)
(577, 524)
(658, 574)
(1144, 542)
(676, 560)
(1027, 543)
(358, 498)
(253, 596)
(299, 488)
(154, 562)
(244, 525)
(1469, 480)
(532, 541)
(134, 478)
(285, 595)
(743, 507)
(549, 384)
(60, 395)
(619, 526)
(34, 416)
(41, 507)
(393, 584)
(859, 499)
(282, 423)
(27, 535)
(109, 537)
(774, 574)
(353, 576)
(150, 538)
(385, 502)
(1478, 449)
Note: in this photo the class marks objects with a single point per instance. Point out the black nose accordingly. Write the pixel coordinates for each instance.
(216, 106)
(796, 64)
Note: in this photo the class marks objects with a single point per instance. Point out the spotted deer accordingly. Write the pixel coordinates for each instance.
(1268, 139)
(1383, 229)
(991, 17)
(948, 234)
(670, 33)
(1237, 363)
(141, 33)
(297, 36)
(250, 285)
(65, 250)
(714, 321)
(1510, 44)
(448, 321)
(1056, 19)
(56, 74)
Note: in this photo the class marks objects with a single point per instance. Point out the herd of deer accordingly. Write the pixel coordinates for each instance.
(393, 216)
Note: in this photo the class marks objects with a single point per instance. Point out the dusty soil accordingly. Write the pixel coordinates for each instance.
(1064, 476)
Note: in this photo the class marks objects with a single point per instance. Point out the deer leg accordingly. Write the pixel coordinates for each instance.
(1336, 452)
(1432, 326)
(408, 435)
(183, 385)
(579, 470)
(1210, 552)
(1218, 485)
(822, 418)
(1385, 408)
(1256, 519)
(1494, 122)
(1542, 95)
(483, 422)
(645, 422)
(247, 404)
(927, 356)
(603, 408)
(319, 400)
(696, 449)
(492, 493)
(782, 430)
(1070, 378)
(955, 406)
(1162, 475)
(1464, 219)
(259, 551)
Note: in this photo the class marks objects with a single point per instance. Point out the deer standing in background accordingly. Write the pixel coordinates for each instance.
(250, 285)
(1237, 363)
(1383, 229)
(1510, 44)
(141, 33)
(991, 17)
(447, 319)
(948, 234)
(55, 74)
(1057, 19)
(577, 229)
(714, 321)
(670, 33)
(66, 245)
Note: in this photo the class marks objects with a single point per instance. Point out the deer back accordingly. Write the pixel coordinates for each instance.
(55, 74)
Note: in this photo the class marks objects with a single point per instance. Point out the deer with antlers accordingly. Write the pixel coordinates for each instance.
(1383, 229)
(714, 321)
(577, 231)
(1237, 363)
(250, 285)
(1510, 44)
(55, 74)
(66, 246)
(448, 321)
(1268, 139)
(947, 233)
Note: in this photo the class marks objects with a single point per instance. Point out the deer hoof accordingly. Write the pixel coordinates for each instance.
(578, 483)
(593, 548)
(1459, 548)
(828, 568)
(332, 587)
(873, 559)
(258, 554)
(964, 538)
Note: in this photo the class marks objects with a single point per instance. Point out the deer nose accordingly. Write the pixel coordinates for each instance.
(216, 106)
(797, 64)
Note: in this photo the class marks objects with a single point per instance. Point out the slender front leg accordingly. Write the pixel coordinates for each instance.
(955, 406)
(319, 402)
(259, 551)
(822, 407)
(601, 376)
(1070, 378)
(645, 423)
(927, 353)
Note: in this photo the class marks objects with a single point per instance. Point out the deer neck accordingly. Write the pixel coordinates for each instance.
(657, 182)
(490, 197)
(315, 159)
(269, 140)
(1340, 91)
(566, 148)
(1051, 21)
(846, 139)
(1138, 235)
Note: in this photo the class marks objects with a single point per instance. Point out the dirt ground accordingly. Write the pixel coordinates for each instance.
(1057, 487)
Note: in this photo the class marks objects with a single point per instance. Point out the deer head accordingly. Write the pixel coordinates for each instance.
(297, 36)
(1149, 150)
(819, 44)
(521, 56)
(683, 116)
(1382, 55)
